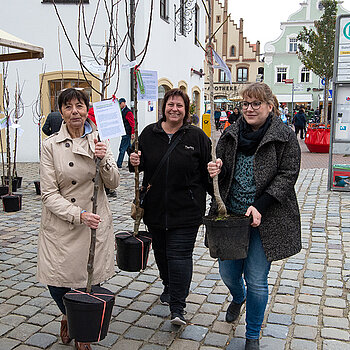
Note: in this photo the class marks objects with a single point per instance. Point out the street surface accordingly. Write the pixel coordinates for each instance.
(309, 298)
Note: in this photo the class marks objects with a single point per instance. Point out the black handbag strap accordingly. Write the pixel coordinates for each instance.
(165, 157)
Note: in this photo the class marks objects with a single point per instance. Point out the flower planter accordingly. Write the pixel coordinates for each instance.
(317, 138)
(12, 202)
(37, 187)
(89, 314)
(17, 178)
(132, 251)
(4, 190)
(228, 239)
(14, 183)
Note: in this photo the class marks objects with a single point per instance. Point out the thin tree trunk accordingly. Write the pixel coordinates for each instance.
(325, 102)
(222, 212)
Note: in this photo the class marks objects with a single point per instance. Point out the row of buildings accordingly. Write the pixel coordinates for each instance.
(178, 34)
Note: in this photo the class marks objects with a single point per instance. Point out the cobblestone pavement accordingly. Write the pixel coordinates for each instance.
(308, 304)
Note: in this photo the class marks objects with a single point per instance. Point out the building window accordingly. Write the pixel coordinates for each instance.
(65, 1)
(162, 89)
(182, 16)
(242, 74)
(305, 75)
(233, 51)
(281, 74)
(196, 25)
(56, 86)
(218, 19)
(223, 77)
(164, 9)
(293, 44)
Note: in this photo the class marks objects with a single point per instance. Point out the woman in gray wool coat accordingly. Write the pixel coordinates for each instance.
(258, 159)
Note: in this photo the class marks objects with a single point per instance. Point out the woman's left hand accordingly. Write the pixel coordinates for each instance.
(100, 149)
(255, 214)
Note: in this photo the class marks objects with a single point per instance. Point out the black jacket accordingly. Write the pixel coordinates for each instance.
(177, 197)
(276, 169)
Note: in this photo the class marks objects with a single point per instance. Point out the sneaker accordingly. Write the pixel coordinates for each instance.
(233, 311)
(178, 319)
(165, 296)
(252, 344)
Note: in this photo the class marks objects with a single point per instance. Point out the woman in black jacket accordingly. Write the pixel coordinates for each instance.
(258, 162)
(234, 115)
(175, 203)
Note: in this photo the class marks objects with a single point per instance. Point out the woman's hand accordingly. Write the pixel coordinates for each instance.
(135, 158)
(214, 168)
(255, 214)
(89, 219)
(100, 149)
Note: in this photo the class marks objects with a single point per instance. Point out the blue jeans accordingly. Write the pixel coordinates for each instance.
(173, 251)
(255, 269)
(125, 143)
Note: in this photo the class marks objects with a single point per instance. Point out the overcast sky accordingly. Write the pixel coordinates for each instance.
(262, 18)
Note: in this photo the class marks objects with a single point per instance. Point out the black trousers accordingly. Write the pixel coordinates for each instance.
(301, 129)
(173, 251)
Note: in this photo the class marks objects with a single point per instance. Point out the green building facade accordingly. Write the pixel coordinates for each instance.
(281, 60)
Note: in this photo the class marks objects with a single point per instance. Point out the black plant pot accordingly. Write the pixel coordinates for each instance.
(4, 190)
(19, 181)
(132, 252)
(228, 239)
(37, 187)
(89, 314)
(14, 183)
(12, 202)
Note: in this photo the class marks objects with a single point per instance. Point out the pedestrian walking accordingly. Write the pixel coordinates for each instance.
(299, 122)
(67, 174)
(52, 124)
(129, 125)
(217, 115)
(176, 200)
(258, 164)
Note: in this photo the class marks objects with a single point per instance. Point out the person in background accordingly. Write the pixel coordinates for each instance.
(217, 115)
(317, 115)
(176, 201)
(258, 162)
(52, 124)
(299, 122)
(234, 115)
(129, 125)
(67, 176)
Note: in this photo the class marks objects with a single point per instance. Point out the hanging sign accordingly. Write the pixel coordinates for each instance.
(147, 85)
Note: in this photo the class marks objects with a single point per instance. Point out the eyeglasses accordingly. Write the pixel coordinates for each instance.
(255, 105)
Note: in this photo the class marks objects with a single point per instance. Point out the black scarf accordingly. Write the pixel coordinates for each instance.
(249, 140)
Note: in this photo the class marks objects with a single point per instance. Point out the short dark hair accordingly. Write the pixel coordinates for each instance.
(177, 92)
(122, 100)
(70, 94)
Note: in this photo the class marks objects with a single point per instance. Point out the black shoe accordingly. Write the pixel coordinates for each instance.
(165, 296)
(252, 344)
(178, 319)
(233, 311)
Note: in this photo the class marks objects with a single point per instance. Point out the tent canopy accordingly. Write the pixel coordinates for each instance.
(19, 49)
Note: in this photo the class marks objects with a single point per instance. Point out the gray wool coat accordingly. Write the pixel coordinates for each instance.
(276, 169)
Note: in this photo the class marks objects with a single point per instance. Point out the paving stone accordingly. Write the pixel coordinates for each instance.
(236, 344)
(153, 347)
(329, 344)
(26, 310)
(147, 321)
(163, 338)
(196, 333)
(276, 331)
(216, 339)
(334, 333)
(279, 319)
(23, 331)
(138, 333)
(181, 344)
(4, 328)
(305, 332)
(41, 340)
(8, 344)
(203, 319)
(128, 316)
(109, 340)
(127, 344)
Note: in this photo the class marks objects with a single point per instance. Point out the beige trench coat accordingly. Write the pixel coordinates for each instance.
(67, 172)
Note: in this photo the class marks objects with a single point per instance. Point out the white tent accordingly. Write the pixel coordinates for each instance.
(18, 48)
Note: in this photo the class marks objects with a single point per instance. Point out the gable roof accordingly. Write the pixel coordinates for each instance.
(20, 50)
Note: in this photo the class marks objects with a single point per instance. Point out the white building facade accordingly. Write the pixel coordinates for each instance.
(173, 52)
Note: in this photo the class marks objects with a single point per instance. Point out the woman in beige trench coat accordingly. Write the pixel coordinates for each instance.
(67, 172)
